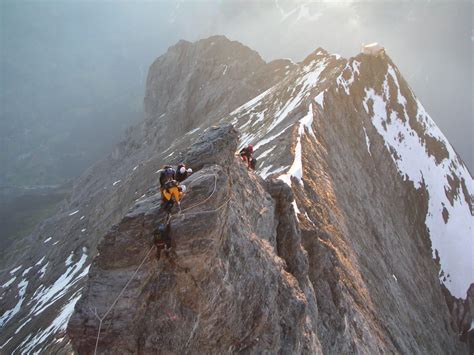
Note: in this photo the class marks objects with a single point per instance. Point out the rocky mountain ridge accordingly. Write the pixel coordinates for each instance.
(225, 290)
(51, 275)
(355, 268)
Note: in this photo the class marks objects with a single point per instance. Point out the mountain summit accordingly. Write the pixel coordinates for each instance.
(353, 235)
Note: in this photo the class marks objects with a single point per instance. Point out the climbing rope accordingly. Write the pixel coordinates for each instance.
(208, 197)
(101, 319)
(181, 211)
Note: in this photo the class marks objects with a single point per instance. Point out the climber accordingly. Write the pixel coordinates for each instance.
(162, 238)
(182, 173)
(167, 173)
(246, 154)
(171, 192)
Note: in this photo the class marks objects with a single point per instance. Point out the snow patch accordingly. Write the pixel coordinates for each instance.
(309, 219)
(47, 240)
(40, 261)
(265, 153)
(193, 131)
(267, 171)
(5, 344)
(367, 141)
(307, 122)
(320, 99)
(295, 208)
(73, 213)
(246, 139)
(8, 315)
(9, 282)
(260, 117)
(246, 124)
(450, 239)
(116, 182)
(307, 82)
(142, 196)
(296, 168)
(269, 139)
(15, 269)
(69, 259)
(21, 326)
(59, 324)
(44, 298)
(26, 271)
(250, 104)
(353, 68)
(42, 271)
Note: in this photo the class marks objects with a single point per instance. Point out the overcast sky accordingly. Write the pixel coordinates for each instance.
(59, 55)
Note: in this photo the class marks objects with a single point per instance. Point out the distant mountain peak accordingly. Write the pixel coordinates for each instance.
(325, 248)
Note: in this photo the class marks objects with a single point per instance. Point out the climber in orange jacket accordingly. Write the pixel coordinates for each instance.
(171, 192)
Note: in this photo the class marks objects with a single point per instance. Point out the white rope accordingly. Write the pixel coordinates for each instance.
(117, 298)
(207, 198)
(101, 319)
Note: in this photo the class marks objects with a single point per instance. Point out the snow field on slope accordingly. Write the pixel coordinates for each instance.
(309, 78)
(346, 83)
(296, 169)
(453, 240)
(44, 298)
(59, 324)
(9, 314)
(307, 82)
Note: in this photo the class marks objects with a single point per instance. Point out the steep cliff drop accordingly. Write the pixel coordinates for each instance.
(357, 241)
(238, 279)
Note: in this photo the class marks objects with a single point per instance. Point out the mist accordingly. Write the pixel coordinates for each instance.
(73, 73)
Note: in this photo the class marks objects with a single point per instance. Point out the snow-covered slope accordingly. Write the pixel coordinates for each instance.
(417, 147)
(43, 276)
(378, 192)
(444, 176)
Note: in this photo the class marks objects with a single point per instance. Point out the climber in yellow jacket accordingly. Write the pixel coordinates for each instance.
(171, 192)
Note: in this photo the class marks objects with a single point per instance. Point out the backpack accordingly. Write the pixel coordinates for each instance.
(166, 174)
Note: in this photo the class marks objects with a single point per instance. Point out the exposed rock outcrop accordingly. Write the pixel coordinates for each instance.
(237, 280)
(332, 253)
(462, 311)
(104, 193)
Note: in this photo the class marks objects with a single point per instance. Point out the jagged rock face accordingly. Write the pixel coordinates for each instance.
(197, 83)
(367, 222)
(345, 267)
(226, 288)
(42, 277)
(462, 311)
